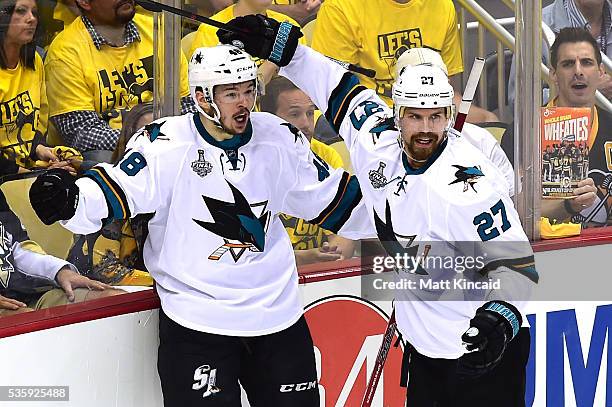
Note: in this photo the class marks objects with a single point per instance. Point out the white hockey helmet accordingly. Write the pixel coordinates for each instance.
(219, 65)
(419, 56)
(422, 86)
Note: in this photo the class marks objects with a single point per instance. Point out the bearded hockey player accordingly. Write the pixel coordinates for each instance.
(427, 190)
(223, 264)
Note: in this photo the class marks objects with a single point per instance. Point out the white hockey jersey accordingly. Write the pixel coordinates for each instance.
(456, 199)
(216, 248)
(488, 145)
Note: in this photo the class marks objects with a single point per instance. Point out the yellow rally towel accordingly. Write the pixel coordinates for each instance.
(64, 153)
(137, 277)
(558, 230)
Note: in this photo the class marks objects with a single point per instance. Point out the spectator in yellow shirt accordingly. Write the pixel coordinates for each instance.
(100, 67)
(206, 35)
(23, 102)
(301, 11)
(311, 243)
(374, 33)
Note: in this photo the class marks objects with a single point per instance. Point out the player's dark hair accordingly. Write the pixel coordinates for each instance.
(572, 35)
(278, 85)
(27, 51)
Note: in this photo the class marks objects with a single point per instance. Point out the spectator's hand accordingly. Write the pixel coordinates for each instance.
(327, 249)
(66, 158)
(63, 165)
(45, 153)
(69, 279)
(54, 196)
(586, 193)
(605, 86)
(310, 6)
(10, 304)
(317, 255)
(302, 11)
(265, 38)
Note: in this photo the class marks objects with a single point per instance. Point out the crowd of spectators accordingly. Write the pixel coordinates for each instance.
(79, 74)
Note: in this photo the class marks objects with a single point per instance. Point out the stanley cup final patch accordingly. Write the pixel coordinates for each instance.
(378, 178)
(201, 166)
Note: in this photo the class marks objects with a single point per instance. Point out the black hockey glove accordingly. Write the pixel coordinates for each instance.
(266, 38)
(493, 326)
(54, 196)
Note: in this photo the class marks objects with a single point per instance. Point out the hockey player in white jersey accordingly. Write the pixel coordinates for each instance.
(424, 185)
(214, 183)
(477, 136)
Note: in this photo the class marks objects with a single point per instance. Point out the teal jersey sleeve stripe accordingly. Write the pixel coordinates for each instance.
(337, 213)
(340, 99)
(523, 265)
(115, 198)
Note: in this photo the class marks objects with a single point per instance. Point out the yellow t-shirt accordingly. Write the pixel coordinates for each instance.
(206, 36)
(109, 81)
(370, 33)
(304, 235)
(65, 13)
(23, 110)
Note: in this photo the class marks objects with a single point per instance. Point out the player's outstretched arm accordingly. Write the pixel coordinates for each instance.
(134, 185)
(334, 90)
(312, 190)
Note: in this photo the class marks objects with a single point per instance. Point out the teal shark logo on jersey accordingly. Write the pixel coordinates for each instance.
(154, 130)
(468, 175)
(383, 125)
(388, 238)
(236, 223)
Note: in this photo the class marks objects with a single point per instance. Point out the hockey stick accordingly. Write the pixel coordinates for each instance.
(221, 250)
(381, 358)
(383, 352)
(468, 94)
(155, 6)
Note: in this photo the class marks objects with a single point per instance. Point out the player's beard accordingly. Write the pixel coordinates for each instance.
(419, 152)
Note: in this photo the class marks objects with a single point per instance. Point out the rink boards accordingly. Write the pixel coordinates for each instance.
(105, 350)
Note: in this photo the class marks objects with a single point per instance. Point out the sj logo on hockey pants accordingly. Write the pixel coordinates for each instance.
(205, 378)
(286, 388)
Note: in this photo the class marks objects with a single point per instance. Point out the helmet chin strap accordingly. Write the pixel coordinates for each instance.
(217, 114)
